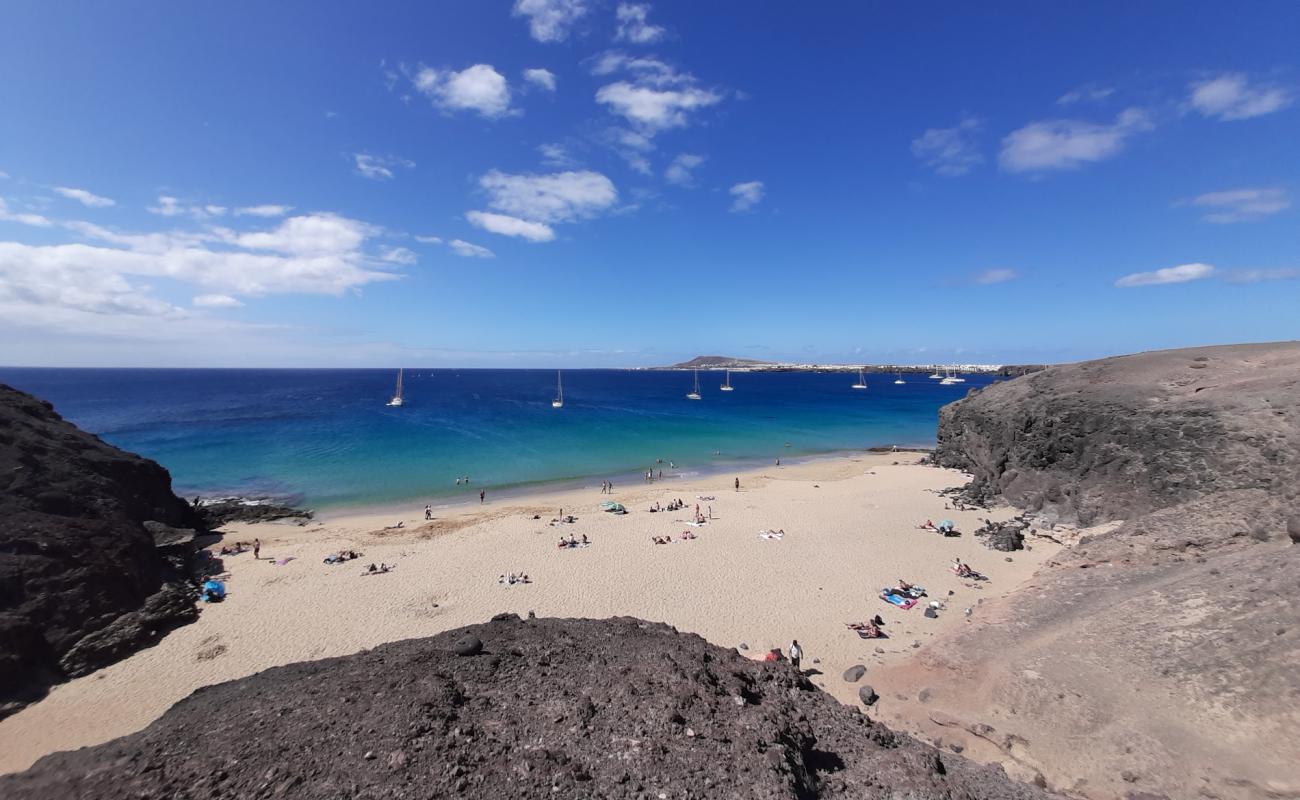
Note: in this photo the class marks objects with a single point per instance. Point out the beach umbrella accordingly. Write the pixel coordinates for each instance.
(947, 523)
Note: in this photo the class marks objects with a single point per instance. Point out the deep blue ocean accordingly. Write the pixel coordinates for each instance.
(325, 437)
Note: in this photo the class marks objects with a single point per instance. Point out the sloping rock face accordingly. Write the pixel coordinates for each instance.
(542, 708)
(1112, 438)
(83, 580)
(1168, 639)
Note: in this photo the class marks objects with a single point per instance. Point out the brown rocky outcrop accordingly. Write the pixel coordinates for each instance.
(92, 551)
(615, 708)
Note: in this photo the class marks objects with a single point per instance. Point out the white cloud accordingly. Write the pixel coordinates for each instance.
(550, 20)
(555, 155)
(479, 88)
(378, 168)
(679, 171)
(172, 207)
(397, 255)
(747, 195)
(991, 276)
(558, 197)
(1180, 274)
(1068, 144)
(1231, 97)
(464, 248)
(429, 239)
(511, 226)
(949, 151)
(653, 108)
(216, 301)
(655, 97)
(308, 235)
(35, 220)
(1090, 93)
(85, 197)
(633, 26)
(543, 78)
(1241, 205)
(263, 211)
(167, 207)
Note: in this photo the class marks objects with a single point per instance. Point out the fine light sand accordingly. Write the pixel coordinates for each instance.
(850, 526)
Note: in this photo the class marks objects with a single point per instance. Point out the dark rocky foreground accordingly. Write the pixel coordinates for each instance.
(1168, 640)
(538, 708)
(93, 549)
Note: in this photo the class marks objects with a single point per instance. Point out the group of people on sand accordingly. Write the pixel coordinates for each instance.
(341, 556)
(673, 505)
(236, 548)
(869, 629)
(946, 527)
(512, 579)
(962, 570)
(904, 589)
(686, 535)
(572, 542)
(606, 487)
(379, 570)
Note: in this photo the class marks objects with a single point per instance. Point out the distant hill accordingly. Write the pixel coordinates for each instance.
(715, 362)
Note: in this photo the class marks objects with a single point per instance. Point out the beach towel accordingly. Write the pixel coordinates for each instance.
(902, 602)
(280, 562)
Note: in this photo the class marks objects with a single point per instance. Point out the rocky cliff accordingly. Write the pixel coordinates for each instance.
(513, 708)
(1167, 638)
(92, 550)
(1109, 439)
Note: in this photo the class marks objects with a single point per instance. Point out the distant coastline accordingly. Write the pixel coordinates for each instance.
(751, 365)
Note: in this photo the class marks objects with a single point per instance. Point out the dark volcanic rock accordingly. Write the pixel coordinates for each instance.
(1005, 536)
(92, 551)
(215, 513)
(563, 708)
(1109, 439)
(854, 673)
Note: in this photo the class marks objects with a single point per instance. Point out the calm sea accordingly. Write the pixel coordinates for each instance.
(326, 438)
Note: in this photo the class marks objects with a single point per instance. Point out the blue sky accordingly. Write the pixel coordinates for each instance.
(586, 183)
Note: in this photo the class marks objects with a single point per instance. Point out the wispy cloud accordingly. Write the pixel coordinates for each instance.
(555, 155)
(550, 20)
(991, 276)
(746, 196)
(950, 151)
(22, 217)
(479, 88)
(1182, 273)
(1088, 93)
(1232, 97)
(507, 225)
(169, 206)
(463, 248)
(633, 25)
(1240, 205)
(680, 171)
(557, 197)
(1261, 275)
(379, 168)
(542, 78)
(654, 96)
(86, 198)
(429, 239)
(216, 301)
(263, 211)
(1069, 144)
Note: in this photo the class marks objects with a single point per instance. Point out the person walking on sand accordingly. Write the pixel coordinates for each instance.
(738, 484)
(428, 513)
(257, 549)
(482, 496)
(796, 653)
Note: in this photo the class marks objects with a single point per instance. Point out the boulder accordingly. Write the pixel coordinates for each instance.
(854, 673)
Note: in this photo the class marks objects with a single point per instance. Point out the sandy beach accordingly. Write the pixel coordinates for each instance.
(850, 528)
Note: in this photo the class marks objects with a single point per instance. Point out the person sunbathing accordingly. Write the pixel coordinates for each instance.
(866, 630)
(963, 570)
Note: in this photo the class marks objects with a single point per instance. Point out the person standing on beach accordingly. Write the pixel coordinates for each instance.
(796, 653)
(257, 549)
(482, 496)
(428, 512)
(738, 484)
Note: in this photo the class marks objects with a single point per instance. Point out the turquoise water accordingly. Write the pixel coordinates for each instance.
(325, 437)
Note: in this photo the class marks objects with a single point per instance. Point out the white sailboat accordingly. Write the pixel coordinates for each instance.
(862, 381)
(397, 397)
(935, 375)
(898, 379)
(950, 379)
(695, 393)
(558, 402)
(726, 385)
